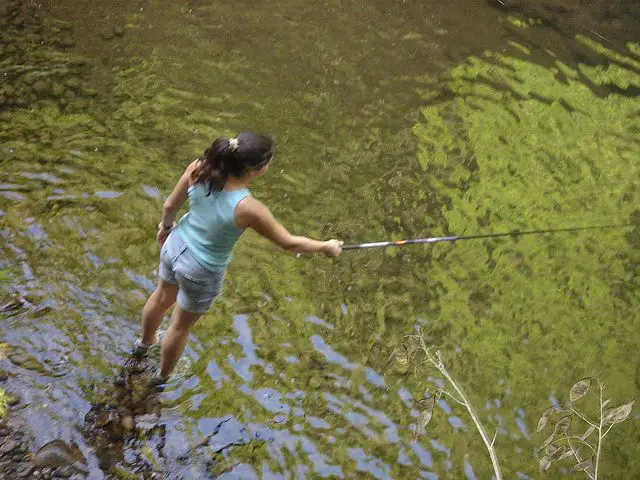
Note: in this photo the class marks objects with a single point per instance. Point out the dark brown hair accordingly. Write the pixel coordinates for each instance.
(232, 157)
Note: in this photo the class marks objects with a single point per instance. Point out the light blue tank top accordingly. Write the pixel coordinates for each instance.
(208, 228)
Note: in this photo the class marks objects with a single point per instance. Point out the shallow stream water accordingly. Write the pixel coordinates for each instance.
(394, 119)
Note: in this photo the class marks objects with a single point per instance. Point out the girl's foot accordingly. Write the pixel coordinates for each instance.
(140, 350)
(156, 380)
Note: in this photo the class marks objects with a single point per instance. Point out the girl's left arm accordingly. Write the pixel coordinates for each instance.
(174, 202)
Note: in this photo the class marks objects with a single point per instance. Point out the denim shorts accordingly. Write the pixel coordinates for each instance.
(197, 285)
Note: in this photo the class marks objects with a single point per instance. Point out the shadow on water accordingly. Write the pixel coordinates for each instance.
(392, 123)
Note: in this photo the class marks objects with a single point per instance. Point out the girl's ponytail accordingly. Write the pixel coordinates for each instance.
(232, 157)
(214, 165)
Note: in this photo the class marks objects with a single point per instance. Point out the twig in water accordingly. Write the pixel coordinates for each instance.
(437, 362)
(600, 36)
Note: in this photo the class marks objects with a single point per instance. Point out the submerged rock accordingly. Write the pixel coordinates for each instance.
(67, 41)
(18, 21)
(8, 446)
(24, 360)
(108, 35)
(58, 453)
(80, 104)
(63, 472)
(25, 472)
(117, 31)
(29, 78)
(57, 89)
(41, 87)
(14, 461)
(72, 82)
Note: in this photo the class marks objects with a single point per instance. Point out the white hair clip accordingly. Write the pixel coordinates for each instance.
(233, 144)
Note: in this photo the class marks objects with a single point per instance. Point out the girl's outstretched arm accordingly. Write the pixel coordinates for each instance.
(252, 213)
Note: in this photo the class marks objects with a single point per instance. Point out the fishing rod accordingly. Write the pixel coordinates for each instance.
(453, 238)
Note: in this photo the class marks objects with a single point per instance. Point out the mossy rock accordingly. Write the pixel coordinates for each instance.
(91, 92)
(57, 89)
(80, 103)
(8, 90)
(66, 41)
(72, 82)
(29, 78)
(41, 88)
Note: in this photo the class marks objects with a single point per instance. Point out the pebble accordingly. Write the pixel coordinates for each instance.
(26, 472)
(128, 424)
(63, 472)
(8, 446)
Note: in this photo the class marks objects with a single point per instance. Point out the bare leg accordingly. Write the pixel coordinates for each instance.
(175, 339)
(162, 298)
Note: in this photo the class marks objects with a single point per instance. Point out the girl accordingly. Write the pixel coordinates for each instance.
(196, 251)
